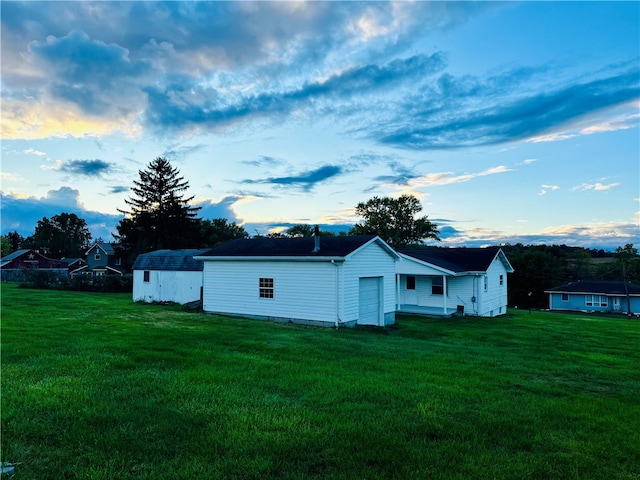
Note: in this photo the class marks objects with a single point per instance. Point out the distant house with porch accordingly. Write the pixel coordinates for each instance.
(12, 265)
(446, 281)
(596, 296)
(101, 259)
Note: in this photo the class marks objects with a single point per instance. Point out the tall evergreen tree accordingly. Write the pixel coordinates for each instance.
(160, 215)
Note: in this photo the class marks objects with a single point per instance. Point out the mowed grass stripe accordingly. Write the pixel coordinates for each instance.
(96, 386)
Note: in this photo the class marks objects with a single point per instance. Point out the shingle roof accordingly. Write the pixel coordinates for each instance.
(455, 259)
(290, 247)
(14, 255)
(597, 287)
(170, 260)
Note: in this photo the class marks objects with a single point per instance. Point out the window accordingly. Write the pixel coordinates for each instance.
(146, 276)
(411, 282)
(266, 287)
(486, 283)
(596, 301)
(564, 297)
(437, 286)
(96, 256)
(501, 279)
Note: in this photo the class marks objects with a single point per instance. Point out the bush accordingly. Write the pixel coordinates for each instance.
(43, 279)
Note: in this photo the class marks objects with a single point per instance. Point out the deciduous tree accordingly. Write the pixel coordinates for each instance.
(63, 235)
(395, 221)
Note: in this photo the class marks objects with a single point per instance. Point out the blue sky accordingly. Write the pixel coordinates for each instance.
(511, 122)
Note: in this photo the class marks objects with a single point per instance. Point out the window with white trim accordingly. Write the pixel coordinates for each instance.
(596, 301)
(266, 287)
(501, 279)
(564, 297)
(146, 276)
(96, 256)
(411, 282)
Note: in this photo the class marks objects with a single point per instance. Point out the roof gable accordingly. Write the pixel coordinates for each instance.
(261, 247)
(107, 248)
(170, 260)
(459, 260)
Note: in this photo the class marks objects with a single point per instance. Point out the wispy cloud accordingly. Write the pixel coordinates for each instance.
(598, 187)
(87, 168)
(546, 188)
(306, 181)
(31, 151)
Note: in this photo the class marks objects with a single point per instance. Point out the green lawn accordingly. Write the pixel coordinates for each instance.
(96, 387)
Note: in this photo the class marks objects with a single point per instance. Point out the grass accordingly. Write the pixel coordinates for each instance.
(97, 387)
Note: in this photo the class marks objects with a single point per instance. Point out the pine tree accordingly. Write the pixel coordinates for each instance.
(160, 216)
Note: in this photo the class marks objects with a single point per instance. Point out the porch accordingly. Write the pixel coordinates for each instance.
(427, 311)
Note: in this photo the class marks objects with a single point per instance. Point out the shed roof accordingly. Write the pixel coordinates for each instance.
(294, 247)
(16, 254)
(458, 260)
(596, 287)
(170, 260)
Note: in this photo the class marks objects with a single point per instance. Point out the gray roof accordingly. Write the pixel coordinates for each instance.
(291, 247)
(596, 287)
(458, 259)
(14, 255)
(170, 260)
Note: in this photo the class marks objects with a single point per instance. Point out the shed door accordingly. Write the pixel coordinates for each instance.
(370, 301)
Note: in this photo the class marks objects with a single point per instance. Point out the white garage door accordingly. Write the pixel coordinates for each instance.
(370, 301)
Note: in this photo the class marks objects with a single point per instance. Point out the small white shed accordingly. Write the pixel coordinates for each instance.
(325, 281)
(168, 276)
(444, 281)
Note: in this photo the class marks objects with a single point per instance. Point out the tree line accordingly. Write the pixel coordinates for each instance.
(159, 215)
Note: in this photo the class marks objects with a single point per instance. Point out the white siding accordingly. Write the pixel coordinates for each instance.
(370, 261)
(302, 290)
(167, 286)
(493, 300)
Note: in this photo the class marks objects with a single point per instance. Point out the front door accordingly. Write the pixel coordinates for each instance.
(410, 290)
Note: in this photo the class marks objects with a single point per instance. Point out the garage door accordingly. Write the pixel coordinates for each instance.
(370, 302)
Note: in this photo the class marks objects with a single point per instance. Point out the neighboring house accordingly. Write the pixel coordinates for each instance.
(445, 281)
(13, 264)
(168, 276)
(329, 281)
(74, 264)
(101, 260)
(595, 296)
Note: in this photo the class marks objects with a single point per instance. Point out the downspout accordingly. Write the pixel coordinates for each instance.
(338, 321)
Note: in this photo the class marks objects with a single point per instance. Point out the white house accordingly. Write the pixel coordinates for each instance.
(444, 281)
(327, 281)
(168, 276)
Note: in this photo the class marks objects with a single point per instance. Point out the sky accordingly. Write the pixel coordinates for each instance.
(515, 122)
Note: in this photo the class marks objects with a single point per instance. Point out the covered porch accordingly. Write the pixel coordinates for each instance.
(428, 311)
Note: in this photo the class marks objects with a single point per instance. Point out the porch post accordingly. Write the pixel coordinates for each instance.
(444, 293)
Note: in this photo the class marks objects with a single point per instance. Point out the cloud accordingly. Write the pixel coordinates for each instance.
(469, 111)
(118, 189)
(545, 188)
(87, 168)
(598, 187)
(448, 178)
(31, 151)
(605, 235)
(222, 208)
(21, 213)
(265, 161)
(305, 180)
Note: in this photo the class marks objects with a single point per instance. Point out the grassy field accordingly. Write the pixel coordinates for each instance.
(97, 387)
